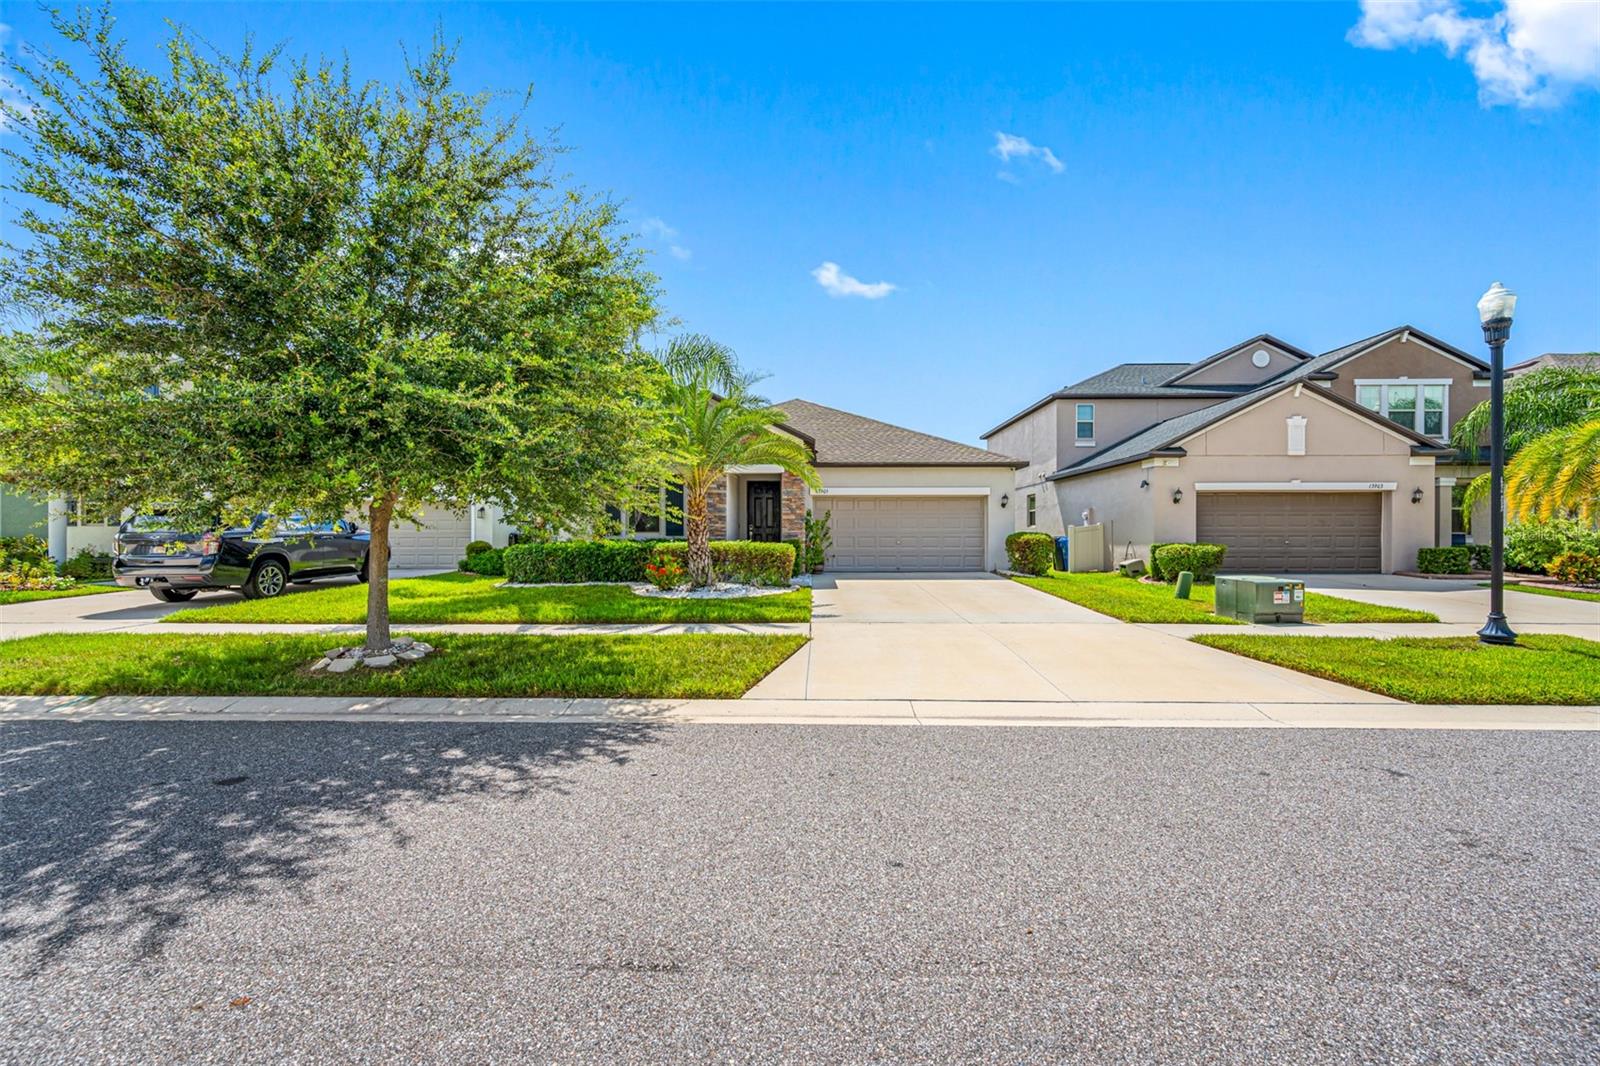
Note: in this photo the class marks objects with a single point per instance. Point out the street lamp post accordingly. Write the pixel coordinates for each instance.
(1494, 311)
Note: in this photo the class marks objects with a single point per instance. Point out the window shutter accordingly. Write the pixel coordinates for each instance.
(1297, 434)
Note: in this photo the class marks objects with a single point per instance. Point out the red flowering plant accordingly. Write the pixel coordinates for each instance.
(664, 575)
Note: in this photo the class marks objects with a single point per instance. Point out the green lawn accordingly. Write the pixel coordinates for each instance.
(1139, 601)
(185, 664)
(28, 595)
(1537, 590)
(446, 598)
(1538, 669)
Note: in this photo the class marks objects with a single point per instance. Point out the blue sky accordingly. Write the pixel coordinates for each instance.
(1181, 177)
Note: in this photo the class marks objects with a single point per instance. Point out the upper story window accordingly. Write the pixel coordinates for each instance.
(1033, 510)
(1085, 430)
(1420, 406)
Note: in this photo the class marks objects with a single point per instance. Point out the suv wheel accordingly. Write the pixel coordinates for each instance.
(267, 580)
(174, 595)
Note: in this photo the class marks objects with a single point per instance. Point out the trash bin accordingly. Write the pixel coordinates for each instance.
(1063, 553)
(1261, 599)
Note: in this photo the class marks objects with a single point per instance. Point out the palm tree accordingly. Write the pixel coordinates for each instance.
(1554, 403)
(715, 421)
(1557, 474)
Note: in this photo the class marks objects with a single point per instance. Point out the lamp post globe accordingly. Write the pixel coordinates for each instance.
(1495, 309)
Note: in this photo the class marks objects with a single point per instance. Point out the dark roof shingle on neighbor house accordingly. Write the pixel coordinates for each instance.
(843, 439)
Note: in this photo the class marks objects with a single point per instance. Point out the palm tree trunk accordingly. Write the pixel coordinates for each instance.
(698, 533)
(380, 516)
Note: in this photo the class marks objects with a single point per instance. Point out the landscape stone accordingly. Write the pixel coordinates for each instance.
(378, 660)
(320, 664)
(411, 655)
(341, 666)
(403, 642)
(334, 654)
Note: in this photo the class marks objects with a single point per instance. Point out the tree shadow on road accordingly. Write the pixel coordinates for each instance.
(125, 831)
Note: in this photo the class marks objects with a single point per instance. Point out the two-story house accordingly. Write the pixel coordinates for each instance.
(1339, 462)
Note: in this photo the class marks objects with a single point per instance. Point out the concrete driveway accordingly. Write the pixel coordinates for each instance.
(1460, 602)
(985, 639)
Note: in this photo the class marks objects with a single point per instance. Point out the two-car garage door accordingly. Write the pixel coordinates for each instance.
(438, 545)
(905, 533)
(1294, 532)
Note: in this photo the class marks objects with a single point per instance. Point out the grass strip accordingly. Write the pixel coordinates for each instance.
(185, 664)
(1140, 601)
(1539, 668)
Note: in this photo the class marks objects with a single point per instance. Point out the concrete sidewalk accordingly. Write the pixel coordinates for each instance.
(1102, 714)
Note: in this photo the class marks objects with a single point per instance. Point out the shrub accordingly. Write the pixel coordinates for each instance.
(573, 561)
(664, 575)
(1030, 553)
(1532, 546)
(18, 552)
(1482, 556)
(1153, 565)
(1576, 568)
(819, 538)
(1456, 560)
(490, 562)
(1201, 560)
(475, 547)
(88, 565)
(34, 579)
(748, 562)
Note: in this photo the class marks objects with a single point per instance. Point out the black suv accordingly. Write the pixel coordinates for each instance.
(259, 562)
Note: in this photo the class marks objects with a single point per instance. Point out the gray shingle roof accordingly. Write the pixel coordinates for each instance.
(1142, 379)
(844, 439)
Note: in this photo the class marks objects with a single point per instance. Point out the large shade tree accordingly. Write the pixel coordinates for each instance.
(258, 284)
(1552, 425)
(715, 420)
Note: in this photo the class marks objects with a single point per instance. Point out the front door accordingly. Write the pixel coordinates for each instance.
(761, 505)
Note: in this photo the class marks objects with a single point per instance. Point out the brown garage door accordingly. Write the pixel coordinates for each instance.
(1289, 532)
(905, 532)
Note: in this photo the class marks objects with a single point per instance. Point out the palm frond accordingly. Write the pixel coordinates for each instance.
(1557, 473)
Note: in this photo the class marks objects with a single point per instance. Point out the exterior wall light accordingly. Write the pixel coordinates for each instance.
(1004, 499)
(1416, 495)
(1177, 495)
(1145, 483)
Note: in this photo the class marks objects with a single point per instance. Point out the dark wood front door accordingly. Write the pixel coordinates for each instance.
(761, 505)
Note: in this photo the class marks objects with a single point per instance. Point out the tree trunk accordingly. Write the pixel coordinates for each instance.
(381, 514)
(697, 532)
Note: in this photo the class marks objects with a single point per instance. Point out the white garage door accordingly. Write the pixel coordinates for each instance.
(905, 532)
(439, 544)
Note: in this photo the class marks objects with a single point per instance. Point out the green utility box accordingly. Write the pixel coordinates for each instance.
(1261, 599)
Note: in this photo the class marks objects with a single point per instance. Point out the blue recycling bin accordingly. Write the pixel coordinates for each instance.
(1063, 552)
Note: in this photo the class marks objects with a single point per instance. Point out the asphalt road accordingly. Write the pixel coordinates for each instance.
(230, 892)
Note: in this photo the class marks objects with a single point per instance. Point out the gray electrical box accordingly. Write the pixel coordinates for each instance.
(1261, 599)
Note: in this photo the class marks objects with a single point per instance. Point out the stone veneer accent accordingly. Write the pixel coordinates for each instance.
(793, 497)
(717, 509)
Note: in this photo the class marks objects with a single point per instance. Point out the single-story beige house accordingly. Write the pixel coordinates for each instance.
(900, 500)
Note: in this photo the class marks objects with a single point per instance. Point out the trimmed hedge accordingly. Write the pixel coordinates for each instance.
(749, 562)
(1154, 564)
(1482, 556)
(1533, 546)
(1453, 560)
(1201, 560)
(476, 546)
(87, 565)
(490, 562)
(574, 561)
(1031, 553)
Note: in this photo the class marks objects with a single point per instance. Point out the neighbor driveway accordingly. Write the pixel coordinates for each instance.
(1461, 602)
(989, 640)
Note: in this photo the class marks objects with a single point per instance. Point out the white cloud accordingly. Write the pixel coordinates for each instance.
(1008, 146)
(837, 283)
(658, 230)
(1531, 53)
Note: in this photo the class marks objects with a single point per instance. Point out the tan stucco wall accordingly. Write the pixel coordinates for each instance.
(1341, 446)
(1252, 447)
(1114, 499)
(1032, 437)
(994, 481)
(1116, 420)
(1237, 369)
(1397, 358)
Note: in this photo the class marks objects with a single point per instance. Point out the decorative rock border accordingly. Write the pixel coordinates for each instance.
(343, 660)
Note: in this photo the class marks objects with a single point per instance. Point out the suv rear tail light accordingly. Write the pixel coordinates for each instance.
(209, 544)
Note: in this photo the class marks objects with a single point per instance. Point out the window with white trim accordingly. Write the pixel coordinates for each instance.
(663, 519)
(1033, 510)
(1420, 406)
(1085, 420)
